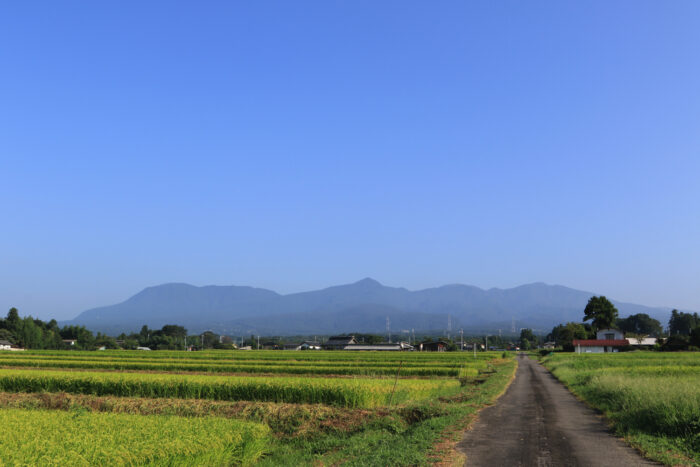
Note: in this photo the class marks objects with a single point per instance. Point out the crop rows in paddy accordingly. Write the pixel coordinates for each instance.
(252, 364)
(346, 392)
(195, 386)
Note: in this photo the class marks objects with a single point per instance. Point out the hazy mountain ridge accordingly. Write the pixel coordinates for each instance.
(360, 306)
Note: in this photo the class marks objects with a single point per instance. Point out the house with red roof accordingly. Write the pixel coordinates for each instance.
(607, 340)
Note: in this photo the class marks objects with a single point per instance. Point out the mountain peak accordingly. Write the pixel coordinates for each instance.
(368, 282)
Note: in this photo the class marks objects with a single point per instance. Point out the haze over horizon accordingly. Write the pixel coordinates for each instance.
(312, 144)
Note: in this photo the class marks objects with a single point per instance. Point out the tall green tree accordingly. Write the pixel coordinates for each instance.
(601, 311)
(13, 320)
(527, 339)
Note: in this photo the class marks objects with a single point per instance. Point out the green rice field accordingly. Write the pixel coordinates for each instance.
(652, 398)
(240, 407)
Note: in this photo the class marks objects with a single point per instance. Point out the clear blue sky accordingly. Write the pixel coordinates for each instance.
(297, 145)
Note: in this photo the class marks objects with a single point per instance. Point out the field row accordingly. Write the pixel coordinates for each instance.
(344, 392)
(282, 368)
(148, 357)
(290, 355)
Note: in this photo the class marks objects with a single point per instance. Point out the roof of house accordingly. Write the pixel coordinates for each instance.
(642, 340)
(4, 342)
(340, 340)
(383, 346)
(600, 342)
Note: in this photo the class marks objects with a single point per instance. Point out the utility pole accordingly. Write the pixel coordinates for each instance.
(449, 326)
(461, 340)
(258, 343)
(388, 328)
(486, 341)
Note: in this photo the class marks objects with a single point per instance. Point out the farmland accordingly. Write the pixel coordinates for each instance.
(651, 398)
(242, 407)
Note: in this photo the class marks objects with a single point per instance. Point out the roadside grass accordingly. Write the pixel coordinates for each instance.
(651, 399)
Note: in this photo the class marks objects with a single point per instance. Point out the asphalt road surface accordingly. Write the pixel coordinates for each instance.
(538, 422)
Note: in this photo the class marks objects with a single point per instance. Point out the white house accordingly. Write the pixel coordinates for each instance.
(5, 345)
(609, 334)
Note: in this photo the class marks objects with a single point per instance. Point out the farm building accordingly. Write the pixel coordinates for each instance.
(5, 345)
(607, 340)
(439, 346)
(398, 346)
(338, 342)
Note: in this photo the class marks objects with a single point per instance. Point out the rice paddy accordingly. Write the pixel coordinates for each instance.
(238, 407)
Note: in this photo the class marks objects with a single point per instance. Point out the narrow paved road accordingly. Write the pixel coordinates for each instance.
(538, 422)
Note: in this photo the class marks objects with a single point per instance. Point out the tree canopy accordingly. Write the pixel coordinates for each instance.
(601, 311)
(682, 323)
(640, 324)
(564, 334)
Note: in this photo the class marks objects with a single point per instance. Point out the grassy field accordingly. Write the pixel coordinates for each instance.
(652, 398)
(242, 407)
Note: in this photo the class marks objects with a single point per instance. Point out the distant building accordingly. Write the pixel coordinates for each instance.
(607, 340)
(70, 342)
(642, 341)
(384, 346)
(439, 346)
(549, 345)
(5, 345)
(338, 342)
(142, 348)
(306, 345)
(609, 334)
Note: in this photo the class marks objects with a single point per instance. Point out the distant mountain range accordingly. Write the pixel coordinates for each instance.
(359, 307)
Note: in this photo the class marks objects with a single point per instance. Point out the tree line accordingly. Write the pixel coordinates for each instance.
(31, 333)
